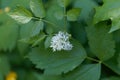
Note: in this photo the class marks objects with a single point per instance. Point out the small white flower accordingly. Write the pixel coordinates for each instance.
(61, 42)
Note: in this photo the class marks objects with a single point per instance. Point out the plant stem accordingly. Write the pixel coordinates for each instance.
(92, 59)
(36, 18)
(45, 21)
(65, 18)
(49, 23)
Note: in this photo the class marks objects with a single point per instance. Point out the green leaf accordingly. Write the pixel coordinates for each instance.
(100, 41)
(29, 40)
(14, 3)
(37, 8)
(25, 32)
(63, 3)
(34, 41)
(118, 60)
(113, 64)
(4, 65)
(21, 15)
(37, 28)
(48, 77)
(73, 14)
(112, 78)
(8, 33)
(31, 76)
(47, 41)
(87, 9)
(59, 15)
(78, 32)
(1, 76)
(8, 36)
(109, 10)
(85, 72)
(57, 62)
(58, 23)
(39, 40)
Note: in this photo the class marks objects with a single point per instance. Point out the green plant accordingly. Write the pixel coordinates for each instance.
(60, 40)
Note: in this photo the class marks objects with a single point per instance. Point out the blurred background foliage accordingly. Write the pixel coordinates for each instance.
(13, 53)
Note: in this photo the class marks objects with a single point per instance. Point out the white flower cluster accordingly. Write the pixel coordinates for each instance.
(61, 42)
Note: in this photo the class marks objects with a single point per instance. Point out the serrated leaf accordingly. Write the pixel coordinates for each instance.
(100, 41)
(37, 28)
(21, 15)
(85, 72)
(37, 8)
(8, 33)
(57, 62)
(63, 3)
(109, 10)
(73, 14)
(47, 41)
(7, 42)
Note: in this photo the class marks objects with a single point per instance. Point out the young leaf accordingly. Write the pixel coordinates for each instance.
(63, 3)
(37, 8)
(73, 14)
(100, 41)
(37, 28)
(109, 10)
(85, 72)
(57, 62)
(21, 15)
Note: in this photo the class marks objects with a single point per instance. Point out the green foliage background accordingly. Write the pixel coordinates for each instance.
(26, 31)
